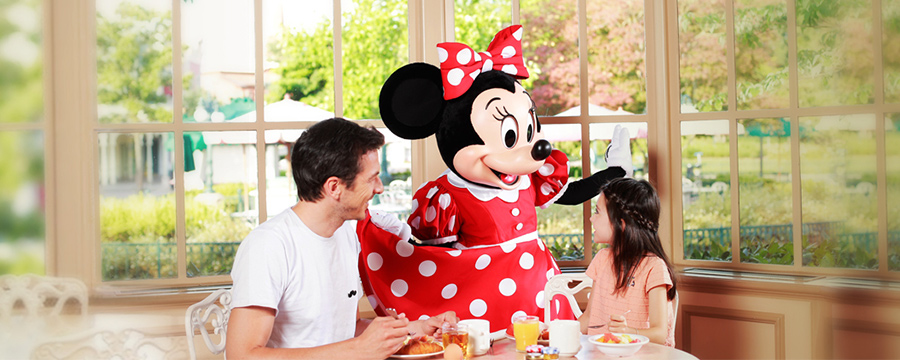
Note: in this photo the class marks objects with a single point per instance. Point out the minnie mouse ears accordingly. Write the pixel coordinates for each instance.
(411, 101)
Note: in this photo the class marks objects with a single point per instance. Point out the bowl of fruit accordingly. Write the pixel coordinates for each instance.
(618, 344)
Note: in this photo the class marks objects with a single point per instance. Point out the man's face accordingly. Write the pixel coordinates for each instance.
(367, 183)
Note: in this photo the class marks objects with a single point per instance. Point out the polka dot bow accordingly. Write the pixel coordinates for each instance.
(460, 65)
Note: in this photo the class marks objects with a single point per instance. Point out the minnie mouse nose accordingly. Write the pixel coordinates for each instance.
(541, 150)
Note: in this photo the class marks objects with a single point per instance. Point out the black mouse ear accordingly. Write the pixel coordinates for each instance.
(412, 101)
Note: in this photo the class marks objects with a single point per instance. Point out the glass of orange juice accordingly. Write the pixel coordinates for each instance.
(456, 334)
(526, 328)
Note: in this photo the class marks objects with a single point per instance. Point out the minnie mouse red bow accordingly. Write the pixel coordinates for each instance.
(460, 64)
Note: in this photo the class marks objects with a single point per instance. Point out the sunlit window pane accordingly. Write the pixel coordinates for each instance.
(617, 72)
(218, 60)
(374, 40)
(562, 226)
(892, 147)
(137, 206)
(22, 202)
(219, 200)
(761, 54)
(134, 61)
(478, 21)
(890, 32)
(835, 53)
(281, 190)
(550, 47)
(764, 166)
(705, 184)
(20, 58)
(838, 191)
(702, 57)
(298, 52)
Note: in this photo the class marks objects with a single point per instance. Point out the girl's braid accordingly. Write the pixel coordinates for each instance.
(634, 214)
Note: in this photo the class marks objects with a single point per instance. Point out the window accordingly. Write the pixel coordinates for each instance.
(195, 120)
(786, 117)
(23, 132)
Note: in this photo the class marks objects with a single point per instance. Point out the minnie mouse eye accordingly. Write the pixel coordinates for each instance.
(510, 131)
(529, 133)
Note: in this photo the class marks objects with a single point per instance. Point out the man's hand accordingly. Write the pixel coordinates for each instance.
(432, 325)
(384, 336)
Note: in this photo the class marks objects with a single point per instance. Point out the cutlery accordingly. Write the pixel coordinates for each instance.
(607, 323)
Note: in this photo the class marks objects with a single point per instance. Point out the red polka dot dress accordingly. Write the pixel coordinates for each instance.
(499, 266)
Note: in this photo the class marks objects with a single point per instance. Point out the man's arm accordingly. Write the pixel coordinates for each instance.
(249, 329)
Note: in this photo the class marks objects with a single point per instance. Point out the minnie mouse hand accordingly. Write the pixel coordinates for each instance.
(619, 151)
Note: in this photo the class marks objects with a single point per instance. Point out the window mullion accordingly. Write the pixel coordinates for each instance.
(177, 91)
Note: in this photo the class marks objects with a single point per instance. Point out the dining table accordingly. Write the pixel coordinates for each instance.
(505, 348)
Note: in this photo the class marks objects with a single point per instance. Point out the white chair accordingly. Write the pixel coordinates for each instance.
(36, 295)
(209, 312)
(559, 284)
(119, 345)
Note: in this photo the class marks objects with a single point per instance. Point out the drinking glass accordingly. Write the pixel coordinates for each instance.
(526, 329)
(456, 334)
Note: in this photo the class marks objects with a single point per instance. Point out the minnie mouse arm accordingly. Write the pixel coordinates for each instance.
(583, 190)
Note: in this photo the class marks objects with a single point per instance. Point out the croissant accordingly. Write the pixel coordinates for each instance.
(419, 345)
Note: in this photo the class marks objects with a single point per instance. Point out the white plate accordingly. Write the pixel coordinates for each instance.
(416, 356)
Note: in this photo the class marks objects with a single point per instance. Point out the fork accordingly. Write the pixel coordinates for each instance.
(607, 323)
(393, 313)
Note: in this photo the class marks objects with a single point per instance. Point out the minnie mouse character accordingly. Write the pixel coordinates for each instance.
(491, 263)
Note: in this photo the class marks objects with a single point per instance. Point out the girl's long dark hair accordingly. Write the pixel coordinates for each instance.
(636, 203)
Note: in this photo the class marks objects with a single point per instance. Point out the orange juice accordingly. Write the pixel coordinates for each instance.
(526, 329)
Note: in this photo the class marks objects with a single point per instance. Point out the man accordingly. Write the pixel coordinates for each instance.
(296, 276)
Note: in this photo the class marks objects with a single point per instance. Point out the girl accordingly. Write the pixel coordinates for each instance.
(634, 283)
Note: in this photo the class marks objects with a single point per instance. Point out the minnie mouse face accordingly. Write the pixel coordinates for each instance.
(509, 129)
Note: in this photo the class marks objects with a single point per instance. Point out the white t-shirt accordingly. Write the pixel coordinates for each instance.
(312, 282)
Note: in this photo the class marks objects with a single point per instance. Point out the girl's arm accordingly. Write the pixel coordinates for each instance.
(585, 318)
(659, 317)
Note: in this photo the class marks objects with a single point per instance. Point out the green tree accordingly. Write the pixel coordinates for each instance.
(134, 64)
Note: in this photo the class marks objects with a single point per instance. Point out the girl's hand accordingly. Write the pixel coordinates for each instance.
(617, 323)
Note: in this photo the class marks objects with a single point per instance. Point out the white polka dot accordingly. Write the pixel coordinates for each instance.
(474, 74)
(556, 305)
(478, 308)
(483, 261)
(509, 69)
(430, 214)
(444, 201)
(375, 261)
(526, 261)
(507, 247)
(516, 212)
(414, 206)
(399, 288)
(424, 317)
(519, 226)
(431, 192)
(442, 54)
(547, 169)
(477, 57)
(518, 34)
(416, 222)
(550, 274)
(454, 76)
(452, 223)
(427, 268)
(508, 52)
(540, 244)
(539, 299)
(516, 314)
(448, 291)
(507, 287)
(454, 253)
(546, 189)
(464, 56)
(404, 248)
(488, 65)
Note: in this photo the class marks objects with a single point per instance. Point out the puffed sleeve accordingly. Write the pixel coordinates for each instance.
(433, 218)
(550, 181)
